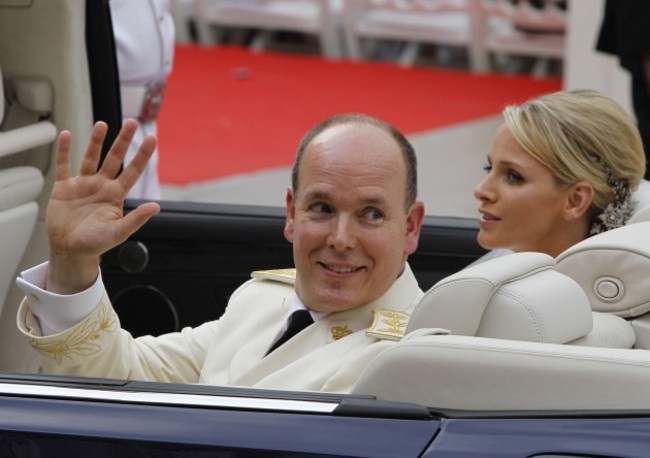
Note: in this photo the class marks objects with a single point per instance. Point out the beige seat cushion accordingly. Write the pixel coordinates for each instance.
(608, 331)
(19, 185)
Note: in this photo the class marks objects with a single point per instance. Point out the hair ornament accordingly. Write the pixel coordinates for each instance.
(619, 210)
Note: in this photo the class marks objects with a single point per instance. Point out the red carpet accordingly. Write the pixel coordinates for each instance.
(229, 111)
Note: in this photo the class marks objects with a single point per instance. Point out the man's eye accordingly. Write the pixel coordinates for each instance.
(321, 208)
(372, 214)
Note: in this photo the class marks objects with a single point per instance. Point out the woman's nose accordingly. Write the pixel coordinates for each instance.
(483, 190)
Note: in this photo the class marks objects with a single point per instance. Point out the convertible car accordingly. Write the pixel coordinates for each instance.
(519, 356)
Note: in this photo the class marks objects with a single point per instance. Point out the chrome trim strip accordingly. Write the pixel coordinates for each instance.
(180, 399)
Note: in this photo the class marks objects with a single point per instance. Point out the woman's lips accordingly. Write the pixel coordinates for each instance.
(488, 218)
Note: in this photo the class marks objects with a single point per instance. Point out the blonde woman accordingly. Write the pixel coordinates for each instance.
(561, 167)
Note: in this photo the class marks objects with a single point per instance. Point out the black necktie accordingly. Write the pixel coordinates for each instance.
(298, 321)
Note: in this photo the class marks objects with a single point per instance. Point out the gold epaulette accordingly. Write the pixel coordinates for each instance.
(281, 275)
(388, 324)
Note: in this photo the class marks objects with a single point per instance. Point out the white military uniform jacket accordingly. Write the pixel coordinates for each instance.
(328, 356)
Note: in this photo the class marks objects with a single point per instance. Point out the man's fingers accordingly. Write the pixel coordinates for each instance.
(94, 149)
(115, 157)
(63, 170)
(136, 167)
(136, 218)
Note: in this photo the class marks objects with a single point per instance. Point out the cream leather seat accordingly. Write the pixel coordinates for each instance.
(613, 268)
(642, 198)
(527, 311)
(477, 373)
(19, 188)
(534, 312)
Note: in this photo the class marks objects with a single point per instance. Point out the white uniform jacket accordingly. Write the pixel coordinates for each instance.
(328, 356)
(144, 43)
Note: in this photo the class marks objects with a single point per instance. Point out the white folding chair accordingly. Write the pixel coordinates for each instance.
(317, 17)
(523, 30)
(452, 23)
(183, 14)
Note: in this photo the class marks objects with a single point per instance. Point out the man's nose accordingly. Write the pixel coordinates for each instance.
(343, 234)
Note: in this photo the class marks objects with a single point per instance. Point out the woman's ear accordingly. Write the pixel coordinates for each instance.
(580, 196)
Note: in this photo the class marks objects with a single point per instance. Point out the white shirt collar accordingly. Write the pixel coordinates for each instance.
(297, 304)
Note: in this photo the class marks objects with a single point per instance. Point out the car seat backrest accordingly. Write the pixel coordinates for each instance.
(641, 215)
(642, 199)
(613, 269)
(477, 373)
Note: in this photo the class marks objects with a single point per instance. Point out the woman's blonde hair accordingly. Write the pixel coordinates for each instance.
(581, 135)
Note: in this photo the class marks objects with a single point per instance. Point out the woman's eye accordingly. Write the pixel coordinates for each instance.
(514, 177)
(487, 168)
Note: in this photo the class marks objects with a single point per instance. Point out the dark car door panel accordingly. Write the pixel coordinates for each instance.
(183, 265)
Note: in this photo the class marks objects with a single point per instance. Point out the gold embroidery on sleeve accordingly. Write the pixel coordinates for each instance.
(81, 340)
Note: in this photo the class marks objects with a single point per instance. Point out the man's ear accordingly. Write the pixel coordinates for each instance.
(414, 221)
(291, 213)
(580, 196)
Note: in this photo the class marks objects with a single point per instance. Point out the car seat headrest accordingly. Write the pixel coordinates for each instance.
(518, 296)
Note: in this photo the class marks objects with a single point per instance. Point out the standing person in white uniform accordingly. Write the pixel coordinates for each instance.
(144, 41)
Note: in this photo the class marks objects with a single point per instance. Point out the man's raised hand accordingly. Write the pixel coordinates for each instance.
(85, 214)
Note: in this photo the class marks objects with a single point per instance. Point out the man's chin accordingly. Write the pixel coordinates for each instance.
(336, 304)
